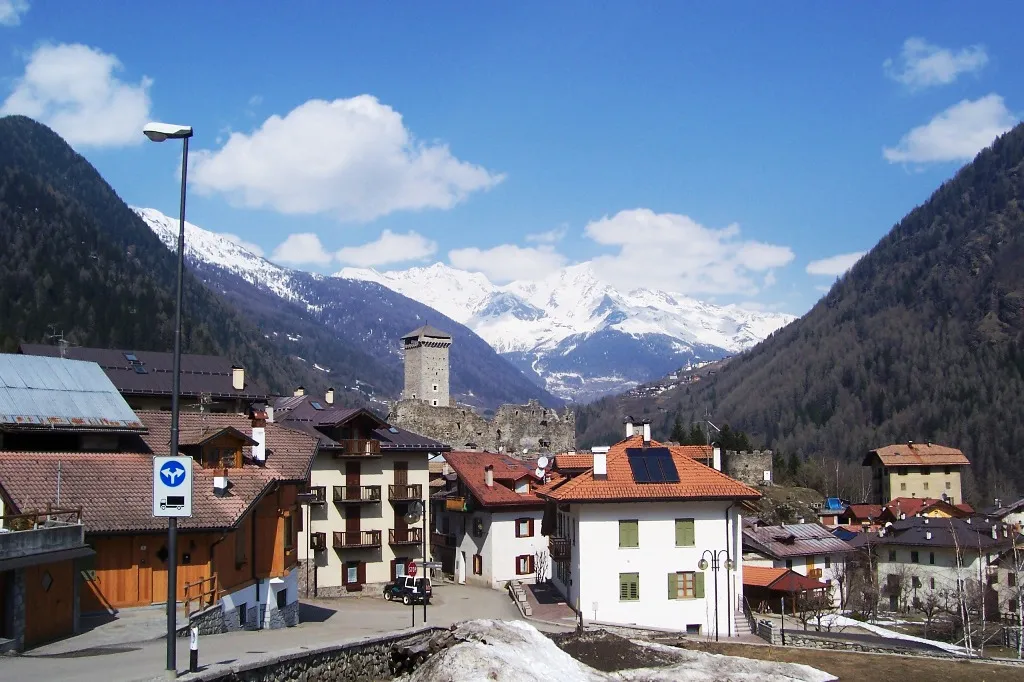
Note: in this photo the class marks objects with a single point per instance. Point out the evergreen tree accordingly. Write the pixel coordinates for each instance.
(678, 434)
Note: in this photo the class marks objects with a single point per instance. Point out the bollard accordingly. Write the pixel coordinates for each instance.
(193, 650)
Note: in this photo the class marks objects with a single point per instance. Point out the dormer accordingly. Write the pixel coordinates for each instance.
(215, 447)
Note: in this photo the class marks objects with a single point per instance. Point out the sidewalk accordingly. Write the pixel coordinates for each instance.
(129, 626)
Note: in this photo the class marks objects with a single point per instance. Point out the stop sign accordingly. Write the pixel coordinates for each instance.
(411, 570)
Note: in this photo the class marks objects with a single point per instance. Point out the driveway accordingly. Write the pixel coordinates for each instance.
(324, 622)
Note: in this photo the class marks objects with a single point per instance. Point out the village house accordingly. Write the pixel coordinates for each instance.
(367, 496)
(1010, 513)
(95, 454)
(145, 378)
(904, 507)
(809, 549)
(636, 539)
(487, 523)
(916, 470)
(860, 516)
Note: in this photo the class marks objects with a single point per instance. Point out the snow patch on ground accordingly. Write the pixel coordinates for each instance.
(515, 651)
(845, 621)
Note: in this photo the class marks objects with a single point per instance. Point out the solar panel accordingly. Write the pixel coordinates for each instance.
(316, 406)
(652, 465)
(130, 357)
(139, 368)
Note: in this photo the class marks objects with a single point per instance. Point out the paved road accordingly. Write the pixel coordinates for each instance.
(325, 622)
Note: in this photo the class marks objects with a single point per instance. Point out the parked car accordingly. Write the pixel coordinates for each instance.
(409, 589)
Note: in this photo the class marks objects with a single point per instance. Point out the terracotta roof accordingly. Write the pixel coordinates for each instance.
(779, 579)
(917, 454)
(912, 506)
(695, 451)
(200, 374)
(574, 461)
(696, 481)
(863, 511)
(470, 468)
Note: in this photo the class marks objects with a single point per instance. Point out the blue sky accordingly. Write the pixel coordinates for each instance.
(716, 149)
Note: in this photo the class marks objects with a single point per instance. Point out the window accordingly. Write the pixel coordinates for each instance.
(902, 472)
(903, 486)
(914, 558)
(434, 403)
(685, 533)
(926, 485)
(289, 532)
(828, 561)
(242, 610)
(948, 471)
(949, 486)
(524, 528)
(435, 387)
(629, 533)
(892, 555)
(686, 585)
(478, 527)
(926, 471)
(478, 565)
(693, 629)
(915, 582)
(931, 583)
(524, 564)
(282, 598)
(1011, 580)
(931, 558)
(789, 563)
(629, 586)
(352, 573)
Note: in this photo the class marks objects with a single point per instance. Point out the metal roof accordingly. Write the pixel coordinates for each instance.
(790, 540)
(41, 392)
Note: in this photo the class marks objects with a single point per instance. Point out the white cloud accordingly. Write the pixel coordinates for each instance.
(11, 11)
(248, 246)
(74, 90)
(508, 262)
(550, 237)
(769, 279)
(353, 158)
(675, 253)
(922, 65)
(956, 134)
(303, 248)
(388, 248)
(834, 266)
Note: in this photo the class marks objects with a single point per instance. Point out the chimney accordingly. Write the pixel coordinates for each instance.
(647, 432)
(270, 414)
(220, 483)
(237, 378)
(489, 475)
(910, 443)
(995, 532)
(600, 461)
(927, 535)
(329, 396)
(999, 503)
(301, 390)
(259, 451)
(629, 427)
(716, 458)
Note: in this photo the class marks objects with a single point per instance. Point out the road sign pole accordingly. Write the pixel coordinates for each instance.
(425, 565)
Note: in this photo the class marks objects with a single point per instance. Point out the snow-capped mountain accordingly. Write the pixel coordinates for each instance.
(582, 337)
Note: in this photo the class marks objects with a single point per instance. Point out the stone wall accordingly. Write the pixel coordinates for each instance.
(514, 428)
(215, 620)
(367, 660)
(747, 467)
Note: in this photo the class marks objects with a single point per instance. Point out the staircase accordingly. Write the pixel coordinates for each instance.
(741, 626)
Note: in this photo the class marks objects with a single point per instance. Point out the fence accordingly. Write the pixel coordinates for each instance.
(29, 520)
(203, 592)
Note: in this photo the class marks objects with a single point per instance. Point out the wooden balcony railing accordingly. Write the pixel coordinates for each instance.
(560, 548)
(316, 495)
(405, 536)
(442, 539)
(356, 494)
(30, 520)
(456, 504)
(814, 573)
(404, 493)
(358, 447)
(356, 539)
(200, 594)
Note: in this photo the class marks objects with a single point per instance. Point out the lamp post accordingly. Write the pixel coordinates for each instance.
(703, 565)
(159, 132)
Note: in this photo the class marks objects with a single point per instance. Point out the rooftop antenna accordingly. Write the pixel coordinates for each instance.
(58, 483)
(62, 343)
(707, 420)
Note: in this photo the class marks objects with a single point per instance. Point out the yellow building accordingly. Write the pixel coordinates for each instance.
(916, 470)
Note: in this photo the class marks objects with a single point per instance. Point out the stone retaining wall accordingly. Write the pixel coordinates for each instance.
(367, 660)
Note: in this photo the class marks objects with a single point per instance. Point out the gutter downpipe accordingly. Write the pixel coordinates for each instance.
(728, 578)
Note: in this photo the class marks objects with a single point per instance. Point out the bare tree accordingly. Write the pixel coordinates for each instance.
(541, 559)
(840, 575)
(931, 604)
(962, 605)
(898, 583)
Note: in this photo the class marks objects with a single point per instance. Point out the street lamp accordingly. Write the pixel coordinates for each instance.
(703, 565)
(159, 132)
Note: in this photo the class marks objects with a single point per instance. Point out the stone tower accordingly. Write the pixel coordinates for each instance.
(426, 366)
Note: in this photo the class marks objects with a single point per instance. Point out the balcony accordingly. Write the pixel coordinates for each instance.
(405, 536)
(316, 495)
(560, 548)
(405, 493)
(456, 504)
(356, 539)
(442, 539)
(356, 494)
(357, 447)
(814, 573)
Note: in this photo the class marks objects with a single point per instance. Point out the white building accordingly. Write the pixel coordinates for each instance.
(628, 537)
(809, 549)
(486, 525)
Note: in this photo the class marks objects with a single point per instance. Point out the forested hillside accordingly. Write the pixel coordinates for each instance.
(922, 340)
(77, 260)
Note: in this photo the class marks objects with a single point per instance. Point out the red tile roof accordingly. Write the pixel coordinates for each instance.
(578, 460)
(761, 576)
(696, 481)
(863, 512)
(918, 454)
(912, 506)
(114, 488)
(470, 468)
(695, 451)
(779, 579)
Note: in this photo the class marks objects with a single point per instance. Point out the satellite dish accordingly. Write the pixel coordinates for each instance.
(451, 476)
(414, 512)
(542, 463)
(526, 451)
(539, 473)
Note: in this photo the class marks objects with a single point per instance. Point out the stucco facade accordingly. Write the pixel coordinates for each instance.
(933, 481)
(492, 537)
(592, 577)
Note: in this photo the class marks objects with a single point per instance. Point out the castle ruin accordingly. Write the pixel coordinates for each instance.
(753, 468)
(426, 407)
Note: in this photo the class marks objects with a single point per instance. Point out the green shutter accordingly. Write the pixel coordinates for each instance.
(629, 586)
(685, 533)
(673, 585)
(698, 585)
(629, 534)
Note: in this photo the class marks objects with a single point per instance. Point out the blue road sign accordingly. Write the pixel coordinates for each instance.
(172, 486)
(173, 474)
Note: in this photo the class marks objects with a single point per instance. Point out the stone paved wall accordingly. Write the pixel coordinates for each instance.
(747, 467)
(368, 660)
(513, 428)
(14, 599)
